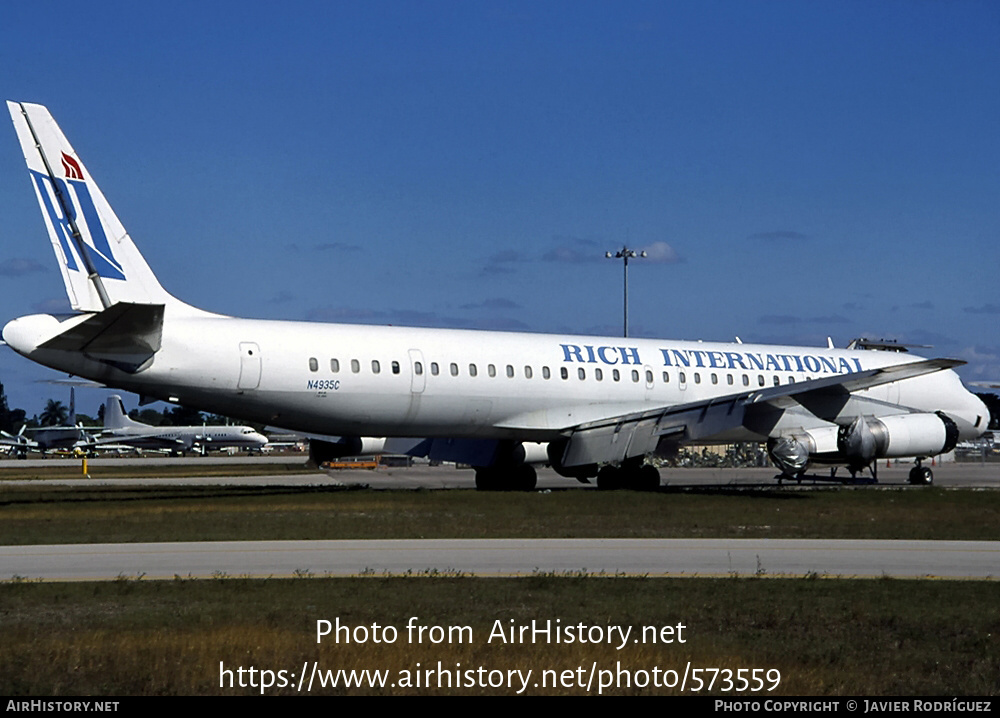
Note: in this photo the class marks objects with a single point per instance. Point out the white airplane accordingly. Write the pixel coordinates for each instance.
(603, 404)
(120, 429)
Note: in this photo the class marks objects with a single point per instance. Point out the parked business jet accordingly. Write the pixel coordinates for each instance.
(120, 429)
(602, 404)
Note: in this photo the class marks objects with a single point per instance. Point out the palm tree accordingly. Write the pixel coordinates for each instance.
(55, 414)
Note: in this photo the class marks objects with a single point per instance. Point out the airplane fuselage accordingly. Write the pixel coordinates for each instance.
(400, 381)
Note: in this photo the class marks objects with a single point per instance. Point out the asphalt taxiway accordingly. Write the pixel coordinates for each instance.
(507, 557)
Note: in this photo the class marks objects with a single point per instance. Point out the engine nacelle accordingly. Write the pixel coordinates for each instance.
(864, 440)
(322, 451)
(792, 453)
(535, 452)
(892, 437)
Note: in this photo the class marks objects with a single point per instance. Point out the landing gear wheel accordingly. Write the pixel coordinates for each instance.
(487, 480)
(525, 478)
(647, 478)
(515, 478)
(609, 478)
(921, 475)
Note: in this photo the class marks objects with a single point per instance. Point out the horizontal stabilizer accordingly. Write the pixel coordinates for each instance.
(124, 335)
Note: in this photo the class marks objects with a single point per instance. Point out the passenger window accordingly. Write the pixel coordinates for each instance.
(715, 378)
(635, 375)
(681, 377)
(777, 381)
(760, 380)
(334, 365)
(546, 374)
(666, 377)
(563, 372)
(582, 373)
(434, 368)
(527, 372)
(355, 366)
(418, 368)
(473, 371)
(729, 379)
(616, 375)
(649, 376)
(599, 374)
(491, 370)
(454, 369)
(313, 364)
(395, 367)
(510, 372)
(375, 366)
(697, 377)
(746, 380)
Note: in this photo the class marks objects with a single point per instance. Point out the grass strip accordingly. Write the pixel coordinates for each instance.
(883, 637)
(108, 514)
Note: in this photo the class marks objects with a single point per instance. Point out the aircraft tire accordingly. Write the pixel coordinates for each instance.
(526, 478)
(647, 478)
(487, 479)
(921, 475)
(609, 478)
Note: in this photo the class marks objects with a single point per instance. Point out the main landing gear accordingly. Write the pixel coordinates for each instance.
(521, 477)
(633, 475)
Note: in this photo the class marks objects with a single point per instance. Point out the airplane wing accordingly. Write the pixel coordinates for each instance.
(623, 436)
(156, 440)
(16, 442)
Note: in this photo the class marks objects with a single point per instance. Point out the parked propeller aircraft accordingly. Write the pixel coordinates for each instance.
(177, 439)
(68, 435)
(603, 404)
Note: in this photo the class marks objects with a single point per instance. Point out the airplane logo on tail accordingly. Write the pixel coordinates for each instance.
(79, 203)
(71, 167)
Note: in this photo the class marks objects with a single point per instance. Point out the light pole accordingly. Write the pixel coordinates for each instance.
(625, 254)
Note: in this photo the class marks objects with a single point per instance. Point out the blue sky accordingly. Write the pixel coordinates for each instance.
(795, 170)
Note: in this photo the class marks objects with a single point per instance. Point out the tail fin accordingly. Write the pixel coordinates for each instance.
(100, 265)
(114, 414)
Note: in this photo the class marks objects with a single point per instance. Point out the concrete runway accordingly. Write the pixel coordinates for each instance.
(507, 557)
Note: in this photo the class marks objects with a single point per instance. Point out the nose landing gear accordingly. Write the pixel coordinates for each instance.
(921, 474)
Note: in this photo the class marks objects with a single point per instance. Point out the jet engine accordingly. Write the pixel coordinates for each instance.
(864, 440)
(919, 435)
(321, 451)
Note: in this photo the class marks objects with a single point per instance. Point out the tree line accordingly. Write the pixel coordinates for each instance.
(56, 413)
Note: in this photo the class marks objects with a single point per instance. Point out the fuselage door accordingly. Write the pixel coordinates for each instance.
(417, 369)
(249, 366)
